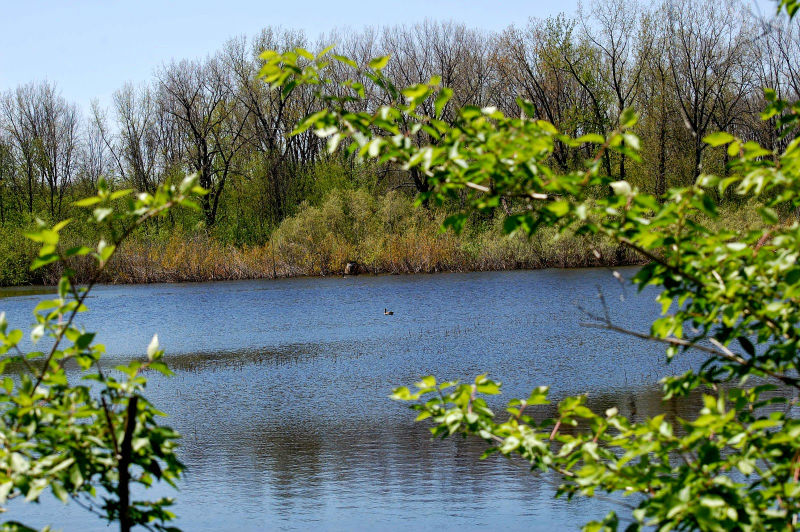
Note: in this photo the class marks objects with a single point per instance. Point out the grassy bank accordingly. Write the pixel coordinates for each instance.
(382, 234)
(298, 248)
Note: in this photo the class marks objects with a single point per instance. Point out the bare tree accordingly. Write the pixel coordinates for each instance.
(775, 65)
(95, 157)
(706, 43)
(136, 145)
(656, 102)
(620, 35)
(7, 167)
(533, 64)
(44, 129)
(269, 116)
(18, 109)
(197, 94)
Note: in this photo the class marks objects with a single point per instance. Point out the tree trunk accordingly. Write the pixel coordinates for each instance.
(661, 177)
(698, 156)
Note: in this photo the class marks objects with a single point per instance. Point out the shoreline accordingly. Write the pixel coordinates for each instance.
(41, 289)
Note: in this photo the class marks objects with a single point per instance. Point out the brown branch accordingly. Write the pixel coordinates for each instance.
(656, 258)
(723, 352)
(111, 430)
(555, 430)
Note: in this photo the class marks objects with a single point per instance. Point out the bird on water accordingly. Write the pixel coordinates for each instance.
(388, 312)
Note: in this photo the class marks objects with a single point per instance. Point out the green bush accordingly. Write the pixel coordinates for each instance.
(16, 255)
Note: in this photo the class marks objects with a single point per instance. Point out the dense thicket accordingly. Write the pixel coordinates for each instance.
(689, 67)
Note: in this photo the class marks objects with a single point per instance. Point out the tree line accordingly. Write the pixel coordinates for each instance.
(689, 67)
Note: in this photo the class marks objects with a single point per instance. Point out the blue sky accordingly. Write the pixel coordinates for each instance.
(91, 47)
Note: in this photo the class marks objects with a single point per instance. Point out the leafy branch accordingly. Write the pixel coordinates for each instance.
(75, 439)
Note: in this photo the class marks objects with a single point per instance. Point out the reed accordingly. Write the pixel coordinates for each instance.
(384, 234)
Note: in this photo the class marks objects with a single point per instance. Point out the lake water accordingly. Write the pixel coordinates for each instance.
(281, 393)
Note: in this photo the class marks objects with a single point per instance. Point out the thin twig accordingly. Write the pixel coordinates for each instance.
(725, 353)
(27, 364)
(111, 430)
(656, 258)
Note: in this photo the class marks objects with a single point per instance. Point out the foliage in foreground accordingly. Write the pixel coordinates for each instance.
(87, 435)
(731, 293)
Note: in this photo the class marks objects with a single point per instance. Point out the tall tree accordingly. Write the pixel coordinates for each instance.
(530, 64)
(706, 43)
(269, 117)
(136, 146)
(45, 133)
(198, 96)
(618, 32)
(657, 104)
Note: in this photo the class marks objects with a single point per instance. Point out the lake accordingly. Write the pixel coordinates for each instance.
(281, 392)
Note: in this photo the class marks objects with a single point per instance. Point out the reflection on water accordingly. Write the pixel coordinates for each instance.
(281, 393)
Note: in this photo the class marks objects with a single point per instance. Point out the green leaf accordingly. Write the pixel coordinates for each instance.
(628, 118)
(75, 476)
(59, 491)
(769, 215)
(426, 382)
(401, 393)
(13, 337)
(105, 250)
(121, 193)
(488, 388)
(591, 138)
(442, 98)
(88, 202)
(45, 236)
(325, 51)
(5, 490)
(718, 139)
(345, 60)
(84, 340)
(416, 92)
(304, 53)
(43, 261)
(712, 501)
(559, 208)
(35, 489)
(310, 121)
(379, 63)
(61, 225)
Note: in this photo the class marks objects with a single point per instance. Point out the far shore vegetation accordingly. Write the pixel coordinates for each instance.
(374, 234)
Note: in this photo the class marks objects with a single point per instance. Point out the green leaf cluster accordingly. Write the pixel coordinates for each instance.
(91, 436)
